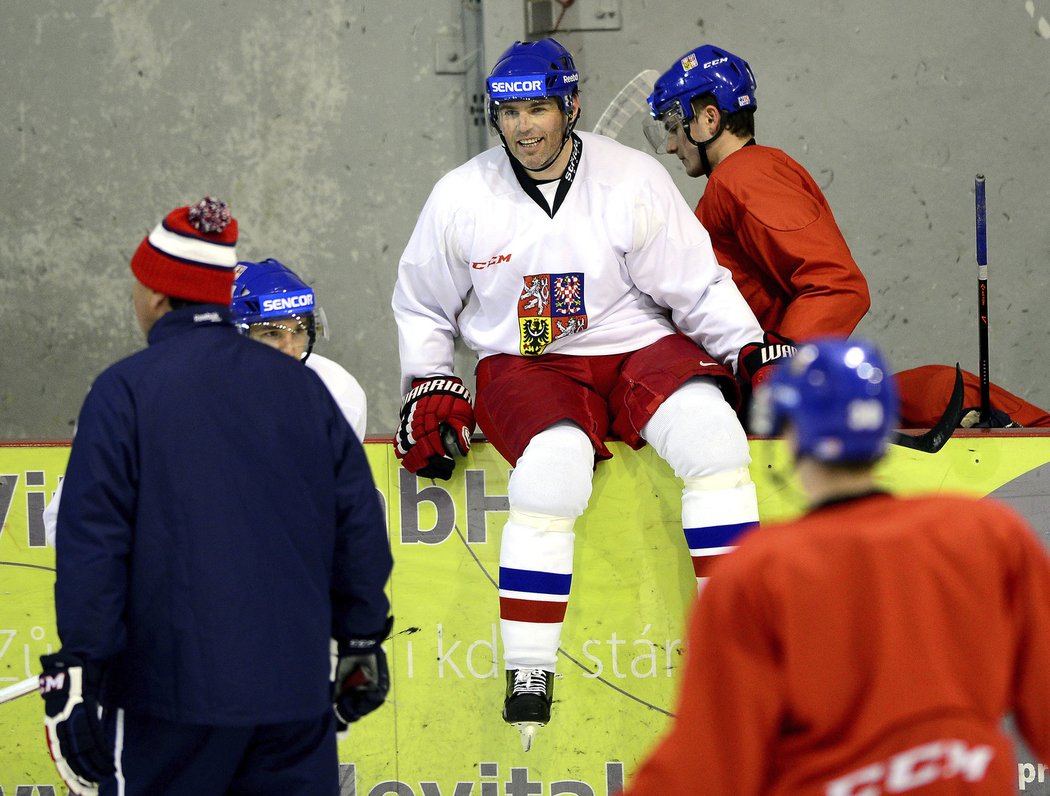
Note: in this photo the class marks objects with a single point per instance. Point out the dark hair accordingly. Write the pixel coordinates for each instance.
(741, 122)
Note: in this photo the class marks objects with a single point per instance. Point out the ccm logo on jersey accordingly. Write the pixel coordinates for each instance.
(511, 86)
(495, 259)
(290, 301)
(916, 767)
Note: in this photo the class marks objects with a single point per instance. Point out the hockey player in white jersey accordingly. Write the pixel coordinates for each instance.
(573, 267)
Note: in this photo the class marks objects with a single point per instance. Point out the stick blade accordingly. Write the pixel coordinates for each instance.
(632, 98)
(934, 439)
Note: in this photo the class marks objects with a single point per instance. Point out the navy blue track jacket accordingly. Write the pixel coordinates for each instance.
(218, 525)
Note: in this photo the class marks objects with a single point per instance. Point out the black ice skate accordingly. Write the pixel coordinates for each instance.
(528, 703)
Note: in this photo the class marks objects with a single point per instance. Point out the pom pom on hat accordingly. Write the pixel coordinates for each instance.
(210, 215)
(191, 254)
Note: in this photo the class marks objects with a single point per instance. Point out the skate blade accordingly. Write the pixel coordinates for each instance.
(528, 732)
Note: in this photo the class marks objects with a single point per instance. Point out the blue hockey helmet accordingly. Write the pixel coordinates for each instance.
(838, 395)
(704, 70)
(267, 292)
(532, 70)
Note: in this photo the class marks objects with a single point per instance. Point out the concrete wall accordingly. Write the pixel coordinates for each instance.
(325, 123)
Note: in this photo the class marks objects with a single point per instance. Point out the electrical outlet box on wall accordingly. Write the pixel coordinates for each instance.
(543, 17)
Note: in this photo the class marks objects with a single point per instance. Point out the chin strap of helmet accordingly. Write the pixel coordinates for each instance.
(311, 337)
(702, 145)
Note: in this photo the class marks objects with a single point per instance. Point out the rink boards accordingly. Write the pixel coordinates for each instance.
(441, 733)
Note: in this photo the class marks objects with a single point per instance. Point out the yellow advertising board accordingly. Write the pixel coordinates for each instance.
(441, 733)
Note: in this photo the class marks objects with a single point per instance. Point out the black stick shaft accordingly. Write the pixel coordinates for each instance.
(982, 297)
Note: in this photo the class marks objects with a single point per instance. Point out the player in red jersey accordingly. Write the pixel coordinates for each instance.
(872, 646)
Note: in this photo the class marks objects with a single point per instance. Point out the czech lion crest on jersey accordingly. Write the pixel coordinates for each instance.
(550, 306)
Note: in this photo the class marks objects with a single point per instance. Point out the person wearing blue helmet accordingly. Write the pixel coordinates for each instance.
(772, 227)
(770, 223)
(574, 269)
(219, 527)
(273, 305)
(873, 645)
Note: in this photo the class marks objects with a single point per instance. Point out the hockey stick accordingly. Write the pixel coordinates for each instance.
(934, 439)
(982, 298)
(632, 98)
(27, 686)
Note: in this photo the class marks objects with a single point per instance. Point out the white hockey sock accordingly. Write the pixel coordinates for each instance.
(716, 509)
(548, 490)
(535, 575)
(699, 435)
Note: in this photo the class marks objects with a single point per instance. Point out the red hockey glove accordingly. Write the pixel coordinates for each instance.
(755, 358)
(73, 721)
(437, 420)
(362, 679)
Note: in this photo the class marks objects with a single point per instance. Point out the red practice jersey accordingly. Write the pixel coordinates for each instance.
(771, 226)
(870, 647)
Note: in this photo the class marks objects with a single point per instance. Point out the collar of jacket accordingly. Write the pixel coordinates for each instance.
(184, 318)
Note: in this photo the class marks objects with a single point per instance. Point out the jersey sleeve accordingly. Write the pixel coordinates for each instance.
(432, 284)
(94, 524)
(673, 262)
(363, 560)
(785, 228)
(50, 516)
(730, 700)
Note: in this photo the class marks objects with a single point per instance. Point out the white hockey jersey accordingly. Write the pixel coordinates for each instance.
(622, 262)
(345, 389)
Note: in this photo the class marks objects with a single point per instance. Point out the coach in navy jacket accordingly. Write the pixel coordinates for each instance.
(219, 525)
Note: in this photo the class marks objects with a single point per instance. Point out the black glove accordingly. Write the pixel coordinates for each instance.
(73, 721)
(362, 678)
(755, 358)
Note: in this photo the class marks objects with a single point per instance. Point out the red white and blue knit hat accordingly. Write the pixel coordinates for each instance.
(191, 254)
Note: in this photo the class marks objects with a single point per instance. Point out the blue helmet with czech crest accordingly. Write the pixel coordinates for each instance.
(270, 298)
(532, 70)
(703, 70)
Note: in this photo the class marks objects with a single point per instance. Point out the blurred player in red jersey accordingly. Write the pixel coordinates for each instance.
(872, 646)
